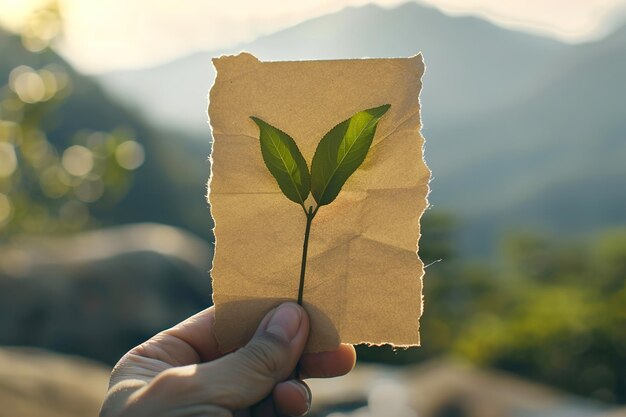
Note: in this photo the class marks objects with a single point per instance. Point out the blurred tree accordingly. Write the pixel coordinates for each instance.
(437, 251)
(549, 310)
(560, 317)
(47, 186)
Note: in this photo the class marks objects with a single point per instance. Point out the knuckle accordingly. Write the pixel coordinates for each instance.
(267, 354)
(170, 380)
(165, 380)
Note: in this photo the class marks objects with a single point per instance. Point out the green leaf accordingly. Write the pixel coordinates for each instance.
(284, 161)
(341, 151)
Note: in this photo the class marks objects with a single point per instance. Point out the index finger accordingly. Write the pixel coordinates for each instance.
(189, 342)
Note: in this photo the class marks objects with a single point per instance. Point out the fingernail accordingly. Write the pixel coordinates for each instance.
(285, 322)
(304, 390)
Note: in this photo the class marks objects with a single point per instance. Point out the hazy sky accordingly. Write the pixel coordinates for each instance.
(116, 34)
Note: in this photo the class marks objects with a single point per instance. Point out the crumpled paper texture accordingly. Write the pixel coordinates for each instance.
(363, 277)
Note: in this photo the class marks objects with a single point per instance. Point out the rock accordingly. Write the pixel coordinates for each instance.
(36, 383)
(98, 294)
(441, 388)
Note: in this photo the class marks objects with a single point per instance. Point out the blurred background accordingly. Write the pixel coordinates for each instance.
(105, 234)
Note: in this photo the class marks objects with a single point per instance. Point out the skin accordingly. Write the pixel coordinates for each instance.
(180, 372)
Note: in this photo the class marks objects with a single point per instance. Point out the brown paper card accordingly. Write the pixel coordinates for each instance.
(363, 277)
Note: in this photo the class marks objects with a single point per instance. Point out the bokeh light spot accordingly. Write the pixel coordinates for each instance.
(77, 160)
(130, 155)
(50, 83)
(27, 84)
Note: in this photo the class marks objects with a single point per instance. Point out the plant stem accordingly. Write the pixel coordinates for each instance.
(309, 219)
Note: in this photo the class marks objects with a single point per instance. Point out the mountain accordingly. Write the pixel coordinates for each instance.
(554, 161)
(522, 131)
(464, 55)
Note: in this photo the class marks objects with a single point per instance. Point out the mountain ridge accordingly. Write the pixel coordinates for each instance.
(502, 110)
(313, 39)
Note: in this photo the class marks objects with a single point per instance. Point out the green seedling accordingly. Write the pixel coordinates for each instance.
(340, 152)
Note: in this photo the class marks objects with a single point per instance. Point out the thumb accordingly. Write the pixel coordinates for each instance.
(245, 377)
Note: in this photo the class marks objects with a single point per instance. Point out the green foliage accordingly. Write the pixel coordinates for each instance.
(549, 310)
(49, 181)
(118, 189)
(439, 232)
(564, 311)
(284, 161)
(341, 151)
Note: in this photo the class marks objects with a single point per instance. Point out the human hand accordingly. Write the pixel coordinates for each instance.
(180, 372)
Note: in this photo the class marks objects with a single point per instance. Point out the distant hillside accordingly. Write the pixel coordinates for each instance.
(522, 131)
(473, 66)
(162, 191)
(557, 159)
